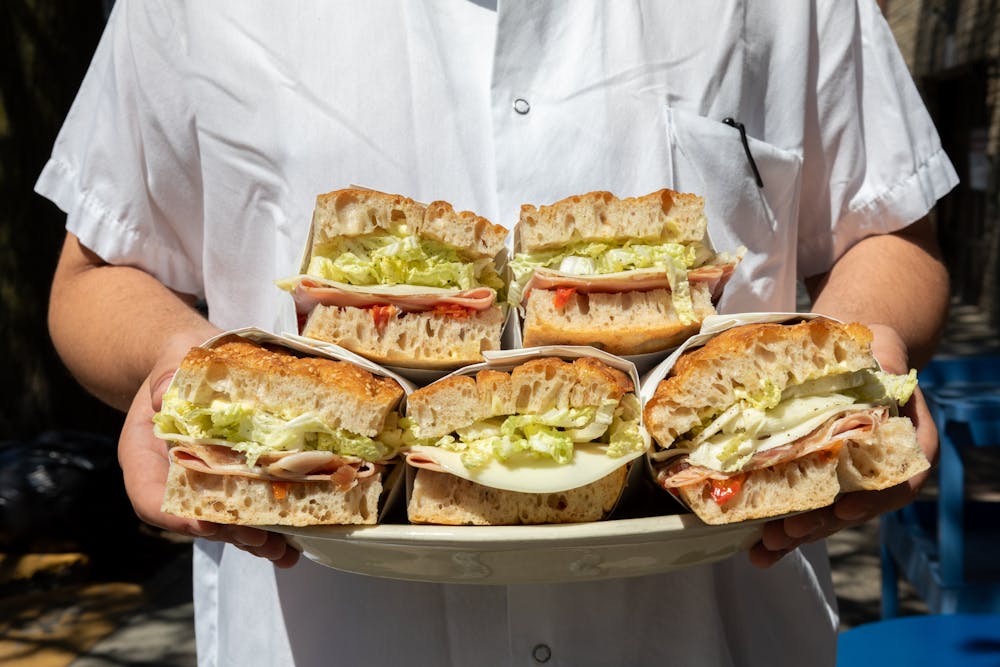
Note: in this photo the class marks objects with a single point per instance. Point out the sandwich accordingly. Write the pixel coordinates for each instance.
(629, 276)
(399, 282)
(769, 419)
(260, 435)
(549, 441)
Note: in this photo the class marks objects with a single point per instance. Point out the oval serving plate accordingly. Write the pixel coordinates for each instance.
(523, 554)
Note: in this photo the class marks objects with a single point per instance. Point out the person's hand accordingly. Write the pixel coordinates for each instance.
(144, 463)
(784, 535)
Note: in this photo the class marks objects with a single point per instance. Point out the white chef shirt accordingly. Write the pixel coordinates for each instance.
(204, 130)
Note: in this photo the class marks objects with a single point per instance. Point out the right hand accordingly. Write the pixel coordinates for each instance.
(144, 463)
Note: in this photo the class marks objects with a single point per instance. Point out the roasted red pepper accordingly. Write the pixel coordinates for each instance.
(563, 295)
(381, 316)
(724, 490)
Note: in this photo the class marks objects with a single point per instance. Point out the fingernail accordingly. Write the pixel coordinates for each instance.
(851, 511)
(204, 529)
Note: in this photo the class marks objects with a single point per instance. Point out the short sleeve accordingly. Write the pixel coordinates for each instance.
(872, 159)
(125, 167)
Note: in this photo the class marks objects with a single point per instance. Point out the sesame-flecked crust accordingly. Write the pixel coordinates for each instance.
(278, 381)
(279, 362)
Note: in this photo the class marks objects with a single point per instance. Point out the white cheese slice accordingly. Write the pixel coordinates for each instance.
(799, 419)
(528, 475)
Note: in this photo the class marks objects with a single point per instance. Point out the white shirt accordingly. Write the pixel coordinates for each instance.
(204, 131)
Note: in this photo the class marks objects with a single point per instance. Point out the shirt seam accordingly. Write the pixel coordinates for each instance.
(875, 202)
(879, 201)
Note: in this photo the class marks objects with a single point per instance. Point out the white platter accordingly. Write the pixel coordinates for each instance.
(523, 554)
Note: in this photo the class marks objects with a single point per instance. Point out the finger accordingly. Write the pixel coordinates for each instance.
(274, 548)
(158, 386)
(774, 537)
(861, 506)
(762, 557)
(144, 463)
(801, 526)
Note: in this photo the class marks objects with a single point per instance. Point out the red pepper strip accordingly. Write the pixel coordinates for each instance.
(563, 295)
(724, 490)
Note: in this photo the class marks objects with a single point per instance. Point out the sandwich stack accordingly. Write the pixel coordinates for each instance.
(767, 419)
(401, 283)
(524, 440)
(264, 434)
(629, 276)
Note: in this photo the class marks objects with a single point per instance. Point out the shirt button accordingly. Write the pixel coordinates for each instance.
(521, 106)
(541, 653)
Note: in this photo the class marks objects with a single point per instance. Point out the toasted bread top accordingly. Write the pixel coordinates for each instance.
(704, 381)
(662, 216)
(356, 212)
(237, 369)
(530, 388)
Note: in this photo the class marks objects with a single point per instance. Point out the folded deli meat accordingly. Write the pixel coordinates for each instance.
(399, 282)
(768, 419)
(629, 276)
(260, 435)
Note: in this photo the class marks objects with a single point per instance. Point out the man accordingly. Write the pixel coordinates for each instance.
(190, 161)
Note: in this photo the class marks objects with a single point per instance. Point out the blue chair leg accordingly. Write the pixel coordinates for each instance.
(951, 511)
(890, 575)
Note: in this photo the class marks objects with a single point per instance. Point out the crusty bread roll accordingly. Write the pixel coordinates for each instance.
(704, 381)
(531, 388)
(213, 479)
(252, 502)
(433, 299)
(619, 322)
(803, 484)
(441, 498)
(659, 217)
(355, 212)
(280, 382)
(415, 340)
(872, 449)
(630, 276)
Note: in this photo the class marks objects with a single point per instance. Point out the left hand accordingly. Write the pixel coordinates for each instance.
(782, 536)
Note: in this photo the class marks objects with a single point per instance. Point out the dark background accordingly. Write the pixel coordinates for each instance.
(45, 48)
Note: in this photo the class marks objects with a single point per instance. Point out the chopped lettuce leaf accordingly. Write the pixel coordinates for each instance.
(255, 432)
(728, 440)
(593, 259)
(390, 259)
(549, 435)
(898, 387)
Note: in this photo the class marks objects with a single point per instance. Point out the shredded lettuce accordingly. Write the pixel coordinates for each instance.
(763, 418)
(549, 435)
(400, 259)
(593, 259)
(255, 432)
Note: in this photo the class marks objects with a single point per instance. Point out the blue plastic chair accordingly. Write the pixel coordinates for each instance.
(928, 544)
(969, 640)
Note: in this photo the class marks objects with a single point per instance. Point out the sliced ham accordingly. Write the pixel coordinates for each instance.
(831, 435)
(310, 292)
(293, 466)
(423, 461)
(714, 276)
